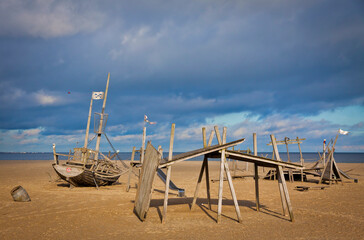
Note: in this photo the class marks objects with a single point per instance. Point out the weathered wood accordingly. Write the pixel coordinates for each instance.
(230, 180)
(97, 148)
(88, 123)
(256, 176)
(286, 194)
(147, 175)
(168, 178)
(204, 137)
(198, 183)
(199, 152)
(210, 138)
(301, 159)
(289, 141)
(207, 182)
(143, 144)
(280, 184)
(55, 156)
(221, 178)
(130, 169)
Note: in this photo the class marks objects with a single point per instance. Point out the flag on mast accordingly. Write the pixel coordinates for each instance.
(343, 132)
(147, 120)
(97, 95)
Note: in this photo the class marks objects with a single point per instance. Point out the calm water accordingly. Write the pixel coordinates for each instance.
(309, 157)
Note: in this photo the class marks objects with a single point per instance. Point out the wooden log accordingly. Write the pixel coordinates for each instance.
(168, 178)
(256, 176)
(146, 180)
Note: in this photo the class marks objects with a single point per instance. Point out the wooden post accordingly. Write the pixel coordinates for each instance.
(97, 148)
(282, 182)
(204, 137)
(256, 175)
(229, 178)
(324, 151)
(301, 157)
(170, 154)
(88, 123)
(198, 183)
(207, 182)
(143, 144)
(130, 169)
(55, 157)
(210, 138)
(280, 185)
(221, 178)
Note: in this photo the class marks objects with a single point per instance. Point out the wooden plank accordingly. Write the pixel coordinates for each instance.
(261, 161)
(147, 175)
(168, 178)
(199, 152)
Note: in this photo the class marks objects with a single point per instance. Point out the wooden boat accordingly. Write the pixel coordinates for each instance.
(88, 167)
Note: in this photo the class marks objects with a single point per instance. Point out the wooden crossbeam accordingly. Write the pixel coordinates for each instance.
(289, 141)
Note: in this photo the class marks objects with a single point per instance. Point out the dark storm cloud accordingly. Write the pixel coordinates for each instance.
(176, 61)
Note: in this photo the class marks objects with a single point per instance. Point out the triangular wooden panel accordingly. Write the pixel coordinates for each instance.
(331, 171)
(148, 171)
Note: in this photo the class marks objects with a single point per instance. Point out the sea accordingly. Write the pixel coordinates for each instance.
(294, 157)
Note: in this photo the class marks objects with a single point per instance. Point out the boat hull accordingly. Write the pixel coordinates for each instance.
(78, 176)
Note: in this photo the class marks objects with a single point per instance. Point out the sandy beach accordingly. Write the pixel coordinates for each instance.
(58, 212)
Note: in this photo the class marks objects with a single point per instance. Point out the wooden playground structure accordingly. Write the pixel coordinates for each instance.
(153, 161)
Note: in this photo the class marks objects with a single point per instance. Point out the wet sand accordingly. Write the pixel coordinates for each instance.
(58, 212)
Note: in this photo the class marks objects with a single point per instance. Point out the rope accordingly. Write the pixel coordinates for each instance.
(124, 164)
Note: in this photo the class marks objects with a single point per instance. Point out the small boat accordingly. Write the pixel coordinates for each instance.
(88, 167)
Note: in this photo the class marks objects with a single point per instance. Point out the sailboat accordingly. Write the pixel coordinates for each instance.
(86, 166)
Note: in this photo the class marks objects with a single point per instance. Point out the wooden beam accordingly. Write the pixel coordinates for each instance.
(198, 183)
(204, 137)
(256, 175)
(221, 179)
(207, 181)
(282, 182)
(130, 169)
(170, 154)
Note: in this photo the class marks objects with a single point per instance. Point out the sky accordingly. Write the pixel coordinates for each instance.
(288, 68)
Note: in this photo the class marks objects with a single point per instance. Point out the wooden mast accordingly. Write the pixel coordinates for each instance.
(99, 132)
(88, 123)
